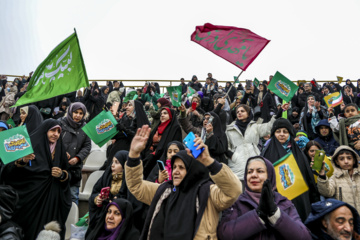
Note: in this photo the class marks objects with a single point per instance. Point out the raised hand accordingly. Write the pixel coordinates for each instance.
(204, 157)
(139, 141)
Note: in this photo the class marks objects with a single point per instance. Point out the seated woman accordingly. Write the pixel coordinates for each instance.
(113, 177)
(134, 117)
(156, 174)
(187, 207)
(43, 183)
(166, 131)
(342, 184)
(115, 223)
(282, 142)
(261, 212)
(30, 117)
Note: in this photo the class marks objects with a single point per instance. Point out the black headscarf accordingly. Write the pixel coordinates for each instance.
(42, 197)
(33, 119)
(124, 138)
(242, 125)
(172, 132)
(274, 151)
(177, 218)
(126, 231)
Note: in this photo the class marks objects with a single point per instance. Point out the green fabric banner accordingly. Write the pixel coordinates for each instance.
(15, 144)
(190, 91)
(175, 95)
(63, 71)
(101, 128)
(256, 82)
(130, 96)
(11, 123)
(282, 87)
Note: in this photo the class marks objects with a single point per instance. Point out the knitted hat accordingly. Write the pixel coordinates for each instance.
(302, 132)
(51, 232)
(283, 123)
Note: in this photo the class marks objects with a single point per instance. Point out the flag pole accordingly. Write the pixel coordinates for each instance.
(233, 84)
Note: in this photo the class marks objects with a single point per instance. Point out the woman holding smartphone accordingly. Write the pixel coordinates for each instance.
(112, 184)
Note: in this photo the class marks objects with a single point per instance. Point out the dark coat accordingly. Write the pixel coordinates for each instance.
(328, 143)
(77, 144)
(241, 221)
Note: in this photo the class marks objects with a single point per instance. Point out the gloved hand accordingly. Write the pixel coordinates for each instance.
(267, 206)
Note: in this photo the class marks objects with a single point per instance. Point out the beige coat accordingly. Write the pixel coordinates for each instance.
(8, 100)
(223, 194)
(350, 192)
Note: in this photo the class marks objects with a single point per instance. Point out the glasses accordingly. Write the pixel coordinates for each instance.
(206, 118)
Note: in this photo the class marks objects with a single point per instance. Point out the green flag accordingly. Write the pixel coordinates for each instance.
(282, 87)
(236, 79)
(63, 71)
(256, 82)
(175, 95)
(101, 128)
(15, 143)
(130, 96)
(11, 123)
(190, 91)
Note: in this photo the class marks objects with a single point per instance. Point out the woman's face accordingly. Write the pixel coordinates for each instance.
(106, 90)
(256, 175)
(282, 134)
(242, 114)
(53, 134)
(23, 115)
(129, 109)
(116, 167)
(178, 172)
(78, 115)
(311, 101)
(300, 91)
(113, 217)
(311, 151)
(195, 100)
(164, 116)
(172, 150)
(261, 88)
(345, 161)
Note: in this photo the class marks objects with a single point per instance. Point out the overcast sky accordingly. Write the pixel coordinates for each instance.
(151, 39)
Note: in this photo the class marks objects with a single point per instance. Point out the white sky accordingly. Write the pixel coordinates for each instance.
(151, 39)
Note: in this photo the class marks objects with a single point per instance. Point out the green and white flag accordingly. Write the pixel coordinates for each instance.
(190, 91)
(63, 71)
(101, 128)
(256, 82)
(236, 79)
(282, 87)
(15, 143)
(175, 95)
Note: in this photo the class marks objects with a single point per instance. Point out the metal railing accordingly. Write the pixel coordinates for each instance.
(168, 83)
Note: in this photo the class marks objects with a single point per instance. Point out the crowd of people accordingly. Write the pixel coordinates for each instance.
(227, 192)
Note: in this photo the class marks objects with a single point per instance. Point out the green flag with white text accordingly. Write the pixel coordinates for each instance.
(175, 95)
(63, 71)
(282, 87)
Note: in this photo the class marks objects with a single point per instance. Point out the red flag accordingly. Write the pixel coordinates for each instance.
(239, 46)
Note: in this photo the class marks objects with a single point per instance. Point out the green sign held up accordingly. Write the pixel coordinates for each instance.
(15, 144)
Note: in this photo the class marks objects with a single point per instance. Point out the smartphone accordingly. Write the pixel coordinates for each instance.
(248, 84)
(161, 165)
(318, 160)
(193, 105)
(105, 192)
(211, 118)
(189, 143)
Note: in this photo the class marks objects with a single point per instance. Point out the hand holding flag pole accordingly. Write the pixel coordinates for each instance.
(227, 93)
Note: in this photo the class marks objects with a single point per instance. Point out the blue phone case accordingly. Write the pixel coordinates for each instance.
(161, 165)
(189, 143)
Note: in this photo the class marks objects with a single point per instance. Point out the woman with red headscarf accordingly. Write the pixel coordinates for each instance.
(166, 131)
